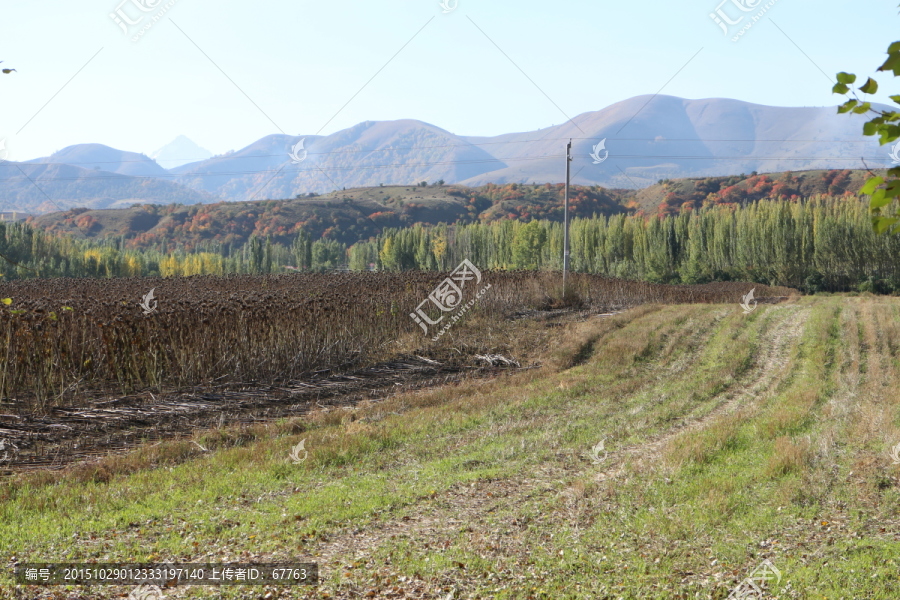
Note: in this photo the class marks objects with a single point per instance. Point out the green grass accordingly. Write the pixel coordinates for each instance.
(731, 438)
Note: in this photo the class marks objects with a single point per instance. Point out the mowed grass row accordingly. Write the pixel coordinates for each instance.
(728, 439)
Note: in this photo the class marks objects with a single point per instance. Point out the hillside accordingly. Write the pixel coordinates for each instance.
(670, 196)
(346, 216)
(353, 215)
(102, 158)
(40, 187)
(390, 152)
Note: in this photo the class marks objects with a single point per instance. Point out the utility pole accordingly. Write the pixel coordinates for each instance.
(566, 218)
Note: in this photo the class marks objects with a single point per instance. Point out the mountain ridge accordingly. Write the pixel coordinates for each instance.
(648, 138)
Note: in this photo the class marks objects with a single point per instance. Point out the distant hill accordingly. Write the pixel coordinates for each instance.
(179, 151)
(648, 138)
(664, 137)
(98, 157)
(389, 152)
(358, 214)
(645, 139)
(346, 216)
(42, 188)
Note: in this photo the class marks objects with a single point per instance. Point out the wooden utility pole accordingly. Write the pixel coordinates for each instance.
(566, 218)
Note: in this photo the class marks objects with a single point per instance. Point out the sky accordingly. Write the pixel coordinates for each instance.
(227, 73)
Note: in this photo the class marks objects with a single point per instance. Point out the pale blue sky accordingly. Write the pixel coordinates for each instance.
(299, 62)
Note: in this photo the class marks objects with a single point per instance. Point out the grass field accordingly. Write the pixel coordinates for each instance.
(729, 438)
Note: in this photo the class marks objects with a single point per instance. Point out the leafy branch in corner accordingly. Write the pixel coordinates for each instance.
(886, 125)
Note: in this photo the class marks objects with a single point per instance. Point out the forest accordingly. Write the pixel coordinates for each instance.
(820, 243)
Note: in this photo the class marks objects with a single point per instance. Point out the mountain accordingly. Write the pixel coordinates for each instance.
(98, 157)
(648, 138)
(656, 137)
(639, 141)
(42, 188)
(179, 151)
(370, 153)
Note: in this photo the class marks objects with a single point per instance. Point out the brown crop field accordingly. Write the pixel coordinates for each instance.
(66, 339)
(89, 371)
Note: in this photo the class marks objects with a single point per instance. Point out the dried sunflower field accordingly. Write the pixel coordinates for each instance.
(65, 338)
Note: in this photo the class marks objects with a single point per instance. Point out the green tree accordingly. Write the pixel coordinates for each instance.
(328, 254)
(388, 255)
(527, 245)
(301, 249)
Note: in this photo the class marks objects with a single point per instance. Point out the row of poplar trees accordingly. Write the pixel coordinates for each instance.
(823, 243)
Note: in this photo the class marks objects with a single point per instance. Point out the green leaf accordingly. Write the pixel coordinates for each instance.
(892, 190)
(870, 128)
(881, 224)
(17, 312)
(871, 184)
(878, 200)
(846, 78)
(6, 301)
(52, 315)
(846, 106)
(840, 88)
(862, 108)
(895, 99)
(892, 64)
(869, 87)
(888, 133)
(67, 308)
